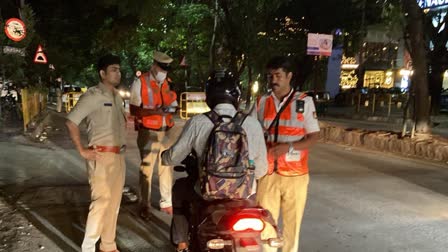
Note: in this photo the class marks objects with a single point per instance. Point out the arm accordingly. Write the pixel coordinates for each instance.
(140, 112)
(76, 138)
(305, 143)
(312, 129)
(260, 152)
(184, 145)
(87, 104)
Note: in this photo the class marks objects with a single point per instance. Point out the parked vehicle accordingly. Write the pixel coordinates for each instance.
(10, 102)
(321, 100)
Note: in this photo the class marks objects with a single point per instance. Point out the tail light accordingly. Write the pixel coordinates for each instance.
(248, 223)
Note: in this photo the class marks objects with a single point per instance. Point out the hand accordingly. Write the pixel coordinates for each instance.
(169, 109)
(90, 154)
(161, 111)
(279, 149)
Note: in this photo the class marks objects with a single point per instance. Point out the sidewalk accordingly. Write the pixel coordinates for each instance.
(380, 120)
(382, 133)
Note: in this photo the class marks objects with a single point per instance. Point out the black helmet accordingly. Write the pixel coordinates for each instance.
(222, 87)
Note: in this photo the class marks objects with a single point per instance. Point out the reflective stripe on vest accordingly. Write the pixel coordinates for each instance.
(154, 97)
(290, 129)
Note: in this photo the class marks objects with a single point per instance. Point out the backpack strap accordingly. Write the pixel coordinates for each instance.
(239, 118)
(215, 117)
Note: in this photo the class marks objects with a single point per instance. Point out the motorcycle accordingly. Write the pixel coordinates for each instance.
(229, 225)
(9, 102)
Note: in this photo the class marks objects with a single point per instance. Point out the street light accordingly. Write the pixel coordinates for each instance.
(255, 88)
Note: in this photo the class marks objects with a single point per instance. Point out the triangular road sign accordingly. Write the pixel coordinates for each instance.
(40, 56)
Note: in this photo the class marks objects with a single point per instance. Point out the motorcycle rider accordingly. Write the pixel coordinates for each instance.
(222, 96)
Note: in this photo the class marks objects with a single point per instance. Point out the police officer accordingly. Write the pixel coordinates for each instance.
(152, 103)
(101, 107)
(222, 92)
(291, 127)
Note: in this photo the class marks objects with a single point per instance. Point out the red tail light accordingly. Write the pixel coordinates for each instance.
(248, 223)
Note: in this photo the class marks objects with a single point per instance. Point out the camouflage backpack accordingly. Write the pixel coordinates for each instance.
(226, 172)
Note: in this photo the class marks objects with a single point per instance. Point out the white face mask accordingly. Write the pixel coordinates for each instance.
(160, 76)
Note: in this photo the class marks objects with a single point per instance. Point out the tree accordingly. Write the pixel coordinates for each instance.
(14, 65)
(416, 45)
(75, 34)
(436, 36)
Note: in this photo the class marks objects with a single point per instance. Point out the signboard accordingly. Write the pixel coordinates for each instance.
(192, 103)
(319, 44)
(195, 96)
(429, 4)
(40, 56)
(14, 50)
(15, 29)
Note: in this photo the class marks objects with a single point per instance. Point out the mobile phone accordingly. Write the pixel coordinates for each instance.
(300, 106)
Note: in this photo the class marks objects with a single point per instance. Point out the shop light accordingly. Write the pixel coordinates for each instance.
(405, 72)
(349, 66)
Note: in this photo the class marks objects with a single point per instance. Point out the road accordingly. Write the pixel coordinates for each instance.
(358, 200)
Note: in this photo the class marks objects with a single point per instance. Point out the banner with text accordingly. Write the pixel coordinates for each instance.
(319, 44)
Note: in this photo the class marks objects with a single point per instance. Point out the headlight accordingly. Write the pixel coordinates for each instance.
(128, 94)
(122, 93)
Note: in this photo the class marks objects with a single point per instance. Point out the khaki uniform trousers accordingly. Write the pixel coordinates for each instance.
(151, 144)
(289, 194)
(106, 179)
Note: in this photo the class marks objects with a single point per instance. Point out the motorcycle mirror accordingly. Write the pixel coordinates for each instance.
(179, 168)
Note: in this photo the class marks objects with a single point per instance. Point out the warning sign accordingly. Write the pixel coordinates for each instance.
(40, 56)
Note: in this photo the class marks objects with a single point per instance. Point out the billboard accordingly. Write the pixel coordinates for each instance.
(428, 4)
(319, 44)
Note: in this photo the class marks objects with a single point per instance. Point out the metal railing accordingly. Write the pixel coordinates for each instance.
(192, 103)
(33, 103)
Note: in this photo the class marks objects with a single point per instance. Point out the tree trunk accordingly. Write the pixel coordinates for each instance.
(414, 28)
(249, 86)
(213, 41)
(436, 84)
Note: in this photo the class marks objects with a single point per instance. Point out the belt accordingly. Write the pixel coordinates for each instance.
(113, 149)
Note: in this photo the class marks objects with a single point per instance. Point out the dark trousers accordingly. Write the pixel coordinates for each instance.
(183, 195)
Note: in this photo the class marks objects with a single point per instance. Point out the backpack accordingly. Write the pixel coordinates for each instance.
(226, 171)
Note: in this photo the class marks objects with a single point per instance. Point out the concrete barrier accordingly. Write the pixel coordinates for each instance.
(433, 148)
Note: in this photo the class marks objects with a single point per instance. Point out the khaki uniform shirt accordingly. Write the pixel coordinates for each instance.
(104, 114)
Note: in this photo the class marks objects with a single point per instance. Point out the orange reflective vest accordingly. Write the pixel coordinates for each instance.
(290, 129)
(154, 97)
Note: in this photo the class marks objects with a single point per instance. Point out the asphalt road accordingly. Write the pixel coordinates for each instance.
(358, 200)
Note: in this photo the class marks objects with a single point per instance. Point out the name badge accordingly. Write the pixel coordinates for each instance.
(293, 156)
(108, 104)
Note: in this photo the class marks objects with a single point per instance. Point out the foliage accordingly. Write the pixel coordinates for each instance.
(14, 64)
